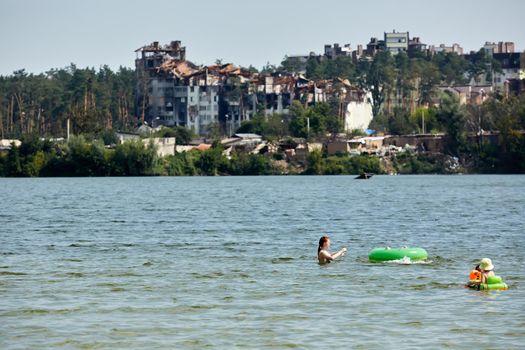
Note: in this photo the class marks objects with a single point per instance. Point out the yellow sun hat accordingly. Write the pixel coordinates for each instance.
(486, 264)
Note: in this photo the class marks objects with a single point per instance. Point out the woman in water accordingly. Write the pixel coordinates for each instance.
(323, 254)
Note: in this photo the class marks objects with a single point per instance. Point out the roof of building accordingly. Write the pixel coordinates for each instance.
(248, 136)
(203, 147)
(8, 142)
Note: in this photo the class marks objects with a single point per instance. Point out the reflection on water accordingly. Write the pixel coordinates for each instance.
(230, 262)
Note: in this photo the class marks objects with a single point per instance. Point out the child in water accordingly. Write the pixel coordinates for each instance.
(481, 272)
(323, 254)
(475, 276)
(487, 269)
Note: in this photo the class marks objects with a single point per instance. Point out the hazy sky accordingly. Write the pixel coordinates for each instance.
(41, 34)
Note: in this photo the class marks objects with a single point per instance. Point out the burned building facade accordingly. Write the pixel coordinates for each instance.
(173, 91)
(169, 92)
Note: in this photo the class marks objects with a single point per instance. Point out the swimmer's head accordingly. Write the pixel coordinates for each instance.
(324, 243)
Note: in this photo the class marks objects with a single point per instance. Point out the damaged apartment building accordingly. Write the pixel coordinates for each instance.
(173, 91)
(169, 92)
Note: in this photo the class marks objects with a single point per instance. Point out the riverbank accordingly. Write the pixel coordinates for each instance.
(79, 157)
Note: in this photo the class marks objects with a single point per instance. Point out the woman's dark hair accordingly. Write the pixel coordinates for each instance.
(322, 241)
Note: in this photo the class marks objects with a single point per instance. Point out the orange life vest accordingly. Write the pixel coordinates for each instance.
(475, 276)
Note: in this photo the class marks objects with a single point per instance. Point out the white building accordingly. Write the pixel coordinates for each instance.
(358, 113)
(396, 42)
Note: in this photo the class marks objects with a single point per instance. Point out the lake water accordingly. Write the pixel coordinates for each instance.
(230, 262)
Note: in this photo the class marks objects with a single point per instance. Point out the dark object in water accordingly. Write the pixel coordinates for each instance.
(365, 176)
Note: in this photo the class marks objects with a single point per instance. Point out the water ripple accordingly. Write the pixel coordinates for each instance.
(231, 262)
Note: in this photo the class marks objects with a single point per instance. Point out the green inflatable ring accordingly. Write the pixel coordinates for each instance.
(493, 286)
(388, 254)
(493, 283)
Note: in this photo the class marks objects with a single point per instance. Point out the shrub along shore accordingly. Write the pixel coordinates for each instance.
(82, 157)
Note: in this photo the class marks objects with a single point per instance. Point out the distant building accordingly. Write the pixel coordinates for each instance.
(512, 68)
(500, 47)
(335, 51)
(421, 143)
(516, 86)
(194, 107)
(127, 136)
(272, 94)
(469, 94)
(396, 42)
(165, 145)
(358, 53)
(296, 63)
(357, 108)
(415, 46)
(374, 46)
(155, 90)
(172, 91)
(455, 48)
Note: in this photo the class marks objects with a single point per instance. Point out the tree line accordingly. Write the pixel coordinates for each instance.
(41, 104)
(82, 157)
(92, 157)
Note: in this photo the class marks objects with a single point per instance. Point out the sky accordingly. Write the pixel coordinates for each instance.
(38, 35)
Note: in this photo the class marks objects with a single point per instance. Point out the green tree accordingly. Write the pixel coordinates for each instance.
(211, 161)
(108, 137)
(180, 164)
(13, 165)
(313, 69)
(249, 164)
(453, 117)
(380, 78)
(299, 120)
(451, 66)
(506, 115)
(400, 123)
(427, 117)
(315, 163)
(133, 158)
(292, 65)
